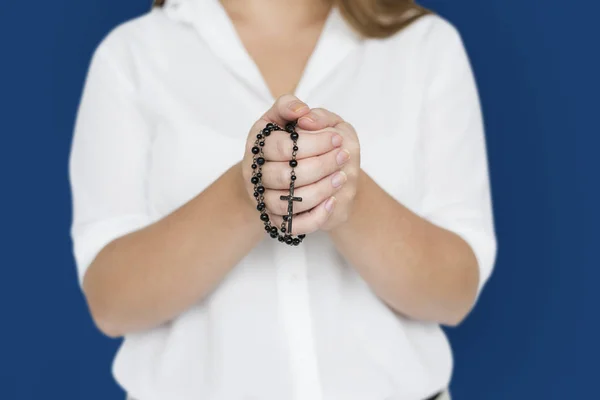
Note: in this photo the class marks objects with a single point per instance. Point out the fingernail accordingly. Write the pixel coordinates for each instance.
(342, 156)
(297, 106)
(338, 179)
(336, 140)
(329, 204)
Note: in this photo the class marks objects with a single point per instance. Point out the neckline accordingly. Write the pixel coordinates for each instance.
(210, 19)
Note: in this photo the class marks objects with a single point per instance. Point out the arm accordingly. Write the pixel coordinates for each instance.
(429, 263)
(419, 269)
(137, 273)
(151, 275)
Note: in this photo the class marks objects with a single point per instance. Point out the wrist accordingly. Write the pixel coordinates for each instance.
(246, 208)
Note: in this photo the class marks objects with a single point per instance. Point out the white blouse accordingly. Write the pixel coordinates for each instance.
(154, 128)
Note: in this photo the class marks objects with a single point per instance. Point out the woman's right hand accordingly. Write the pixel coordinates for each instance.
(318, 175)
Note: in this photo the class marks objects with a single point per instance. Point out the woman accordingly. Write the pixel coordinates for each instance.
(170, 249)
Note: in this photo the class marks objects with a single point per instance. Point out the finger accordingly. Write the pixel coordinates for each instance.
(310, 221)
(311, 195)
(318, 118)
(276, 174)
(279, 147)
(285, 109)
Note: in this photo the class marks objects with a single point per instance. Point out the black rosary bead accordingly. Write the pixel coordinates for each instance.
(259, 190)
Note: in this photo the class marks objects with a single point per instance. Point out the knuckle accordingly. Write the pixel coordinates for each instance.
(333, 130)
(282, 177)
(321, 163)
(322, 220)
(345, 216)
(313, 217)
(258, 125)
(321, 112)
(297, 230)
(351, 173)
(314, 223)
(281, 149)
(340, 219)
(281, 207)
(325, 189)
(267, 201)
(345, 126)
(285, 99)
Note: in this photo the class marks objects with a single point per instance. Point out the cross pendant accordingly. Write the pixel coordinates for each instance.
(290, 199)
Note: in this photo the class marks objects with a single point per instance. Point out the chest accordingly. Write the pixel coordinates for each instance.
(202, 112)
(282, 62)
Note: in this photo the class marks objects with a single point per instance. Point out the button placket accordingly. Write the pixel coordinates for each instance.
(295, 314)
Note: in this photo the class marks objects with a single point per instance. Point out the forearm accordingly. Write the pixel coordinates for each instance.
(420, 270)
(148, 277)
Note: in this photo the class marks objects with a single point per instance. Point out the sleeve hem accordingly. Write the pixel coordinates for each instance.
(90, 239)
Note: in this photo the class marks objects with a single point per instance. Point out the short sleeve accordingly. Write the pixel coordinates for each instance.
(454, 178)
(108, 159)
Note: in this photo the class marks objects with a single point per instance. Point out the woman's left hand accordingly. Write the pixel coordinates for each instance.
(317, 120)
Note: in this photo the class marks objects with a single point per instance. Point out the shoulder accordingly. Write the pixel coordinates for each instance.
(430, 42)
(428, 31)
(128, 44)
(144, 31)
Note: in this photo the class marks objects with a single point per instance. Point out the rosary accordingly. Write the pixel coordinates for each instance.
(258, 161)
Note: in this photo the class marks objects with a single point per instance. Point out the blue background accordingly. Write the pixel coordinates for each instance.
(534, 334)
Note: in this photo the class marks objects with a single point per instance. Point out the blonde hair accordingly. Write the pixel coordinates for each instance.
(373, 18)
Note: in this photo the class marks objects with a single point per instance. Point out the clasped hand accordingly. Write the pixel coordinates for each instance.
(327, 172)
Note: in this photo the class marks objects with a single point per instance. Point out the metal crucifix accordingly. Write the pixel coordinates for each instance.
(290, 199)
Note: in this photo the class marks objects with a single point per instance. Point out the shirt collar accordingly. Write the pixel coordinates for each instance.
(210, 20)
